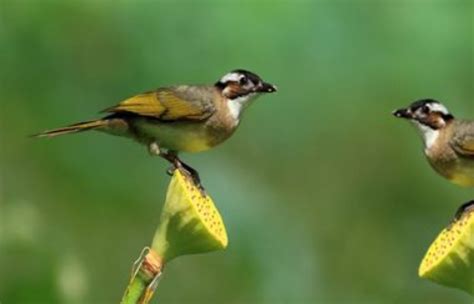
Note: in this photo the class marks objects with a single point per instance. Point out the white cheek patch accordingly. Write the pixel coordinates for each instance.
(429, 135)
(231, 77)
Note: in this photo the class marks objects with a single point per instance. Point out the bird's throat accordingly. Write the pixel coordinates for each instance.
(237, 105)
(428, 134)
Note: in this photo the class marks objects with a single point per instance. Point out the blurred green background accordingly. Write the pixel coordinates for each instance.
(327, 198)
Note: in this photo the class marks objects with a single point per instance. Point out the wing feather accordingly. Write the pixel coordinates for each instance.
(168, 105)
(463, 140)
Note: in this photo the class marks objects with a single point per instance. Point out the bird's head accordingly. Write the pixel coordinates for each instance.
(428, 115)
(243, 84)
(240, 87)
(427, 112)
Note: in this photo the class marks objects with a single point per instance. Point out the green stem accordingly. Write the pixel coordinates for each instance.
(147, 271)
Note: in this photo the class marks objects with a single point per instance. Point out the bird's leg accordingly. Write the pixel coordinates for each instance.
(466, 207)
(194, 174)
(154, 149)
(177, 163)
(172, 157)
(174, 160)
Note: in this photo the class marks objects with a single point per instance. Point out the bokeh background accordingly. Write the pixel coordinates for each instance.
(327, 198)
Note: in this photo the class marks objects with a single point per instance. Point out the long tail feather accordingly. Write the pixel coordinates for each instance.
(78, 127)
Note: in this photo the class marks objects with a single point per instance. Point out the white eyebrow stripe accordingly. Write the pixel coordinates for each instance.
(231, 77)
(437, 107)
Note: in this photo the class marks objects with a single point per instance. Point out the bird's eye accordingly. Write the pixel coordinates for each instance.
(425, 109)
(243, 80)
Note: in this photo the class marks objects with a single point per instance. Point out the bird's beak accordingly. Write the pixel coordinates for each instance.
(266, 88)
(402, 113)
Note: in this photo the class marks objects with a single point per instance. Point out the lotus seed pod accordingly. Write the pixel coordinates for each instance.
(450, 258)
(190, 223)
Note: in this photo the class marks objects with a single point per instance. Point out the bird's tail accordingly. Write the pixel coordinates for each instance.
(78, 127)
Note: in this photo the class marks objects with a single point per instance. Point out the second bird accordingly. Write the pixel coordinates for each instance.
(448, 142)
(188, 118)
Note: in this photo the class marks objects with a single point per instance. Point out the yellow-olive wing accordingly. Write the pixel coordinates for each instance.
(169, 104)
(463, 138)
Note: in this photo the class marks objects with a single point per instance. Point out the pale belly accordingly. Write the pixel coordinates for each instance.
(463, 177)
(186, 137)
(459, 171)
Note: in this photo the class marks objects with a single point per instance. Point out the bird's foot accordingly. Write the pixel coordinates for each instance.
(177, 164)
(170, 170)
(194, 176)
(189, 171)
(464, 208)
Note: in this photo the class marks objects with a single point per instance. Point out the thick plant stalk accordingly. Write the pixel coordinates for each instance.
(146, 274)
(450, 259)
(189, 224)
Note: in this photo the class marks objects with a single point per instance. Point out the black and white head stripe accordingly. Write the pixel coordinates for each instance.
(240, 76)
(431, 106)
(429, 116)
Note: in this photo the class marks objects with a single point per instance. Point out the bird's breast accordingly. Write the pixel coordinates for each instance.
(184, 136)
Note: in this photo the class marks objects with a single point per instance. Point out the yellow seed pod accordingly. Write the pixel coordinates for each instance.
(190, 223)
(450, 259)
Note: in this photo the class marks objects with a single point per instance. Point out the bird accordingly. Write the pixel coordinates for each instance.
(181, 118)
(448, 142)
